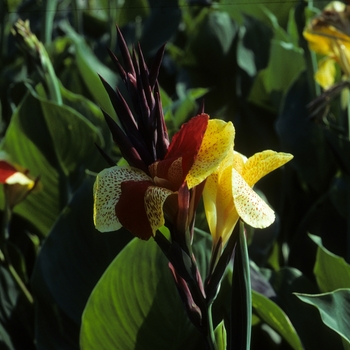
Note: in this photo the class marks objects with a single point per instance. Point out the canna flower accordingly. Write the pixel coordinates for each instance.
(328, 34)
(228, 192)
(141, 200)
(17, 183)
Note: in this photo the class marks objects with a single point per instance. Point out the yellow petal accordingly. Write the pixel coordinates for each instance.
(319, 42)
(250, 207)
(107, 192)
(325, 74)
(217, 142)
(238, 161)
(209, 200)
(154, 200)
(21, 179)
(218, 201)
(262, 163)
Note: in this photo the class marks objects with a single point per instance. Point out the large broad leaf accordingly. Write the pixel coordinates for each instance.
(135, 304)
(276, 318)
(331, 271)
(57, 143)
(274, 81)
(334, 308)
(71, 261)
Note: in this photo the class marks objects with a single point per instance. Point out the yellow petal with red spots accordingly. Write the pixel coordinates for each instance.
(217, 142)
(154, 201)
(250, 207)
(262, 163)
(107, 191)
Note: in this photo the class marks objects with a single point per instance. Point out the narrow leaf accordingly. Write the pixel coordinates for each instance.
(241, 304)
(275, 317)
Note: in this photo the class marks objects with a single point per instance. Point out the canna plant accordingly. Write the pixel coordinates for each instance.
(164, 180)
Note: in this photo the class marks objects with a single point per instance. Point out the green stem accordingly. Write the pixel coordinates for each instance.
(5, 259)
(211, 343)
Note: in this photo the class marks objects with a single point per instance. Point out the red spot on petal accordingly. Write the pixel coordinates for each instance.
(130, 209)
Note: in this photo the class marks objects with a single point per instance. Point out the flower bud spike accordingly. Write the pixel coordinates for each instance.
(125, 53)
(153, 74)
(117, 64)
(193, 311)
(105, 155)
(127, 149)
(121, 107)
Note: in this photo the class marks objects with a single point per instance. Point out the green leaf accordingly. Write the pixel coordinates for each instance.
(220, 336)
(316, 335)
(275, 317)
(135, 304)
(331, 271)
(71, 261)
(276, 78)
(89, 67)
(56, 143)
(132, 11)
(241, 304)
(334, 308)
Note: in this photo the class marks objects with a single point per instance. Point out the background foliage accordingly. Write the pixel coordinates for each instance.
(251, 65)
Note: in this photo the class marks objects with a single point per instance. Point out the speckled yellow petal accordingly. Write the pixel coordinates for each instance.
(154, 200)
(262, 163)
(217, 142)
(325, 74)
(238, 161)
(250, 207)
(210, 208)
(107, 192)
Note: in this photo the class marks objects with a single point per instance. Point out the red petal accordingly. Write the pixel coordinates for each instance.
(6, 170)
(187, 142)
(130, 209)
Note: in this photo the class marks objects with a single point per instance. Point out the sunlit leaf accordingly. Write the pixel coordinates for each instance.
(135, 304)
(275, 317)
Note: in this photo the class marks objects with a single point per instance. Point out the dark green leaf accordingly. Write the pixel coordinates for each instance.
(71, 261)
(331, 271)
(334, 308)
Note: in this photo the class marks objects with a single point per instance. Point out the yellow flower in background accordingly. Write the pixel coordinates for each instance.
(328, 34)
(228, 192)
